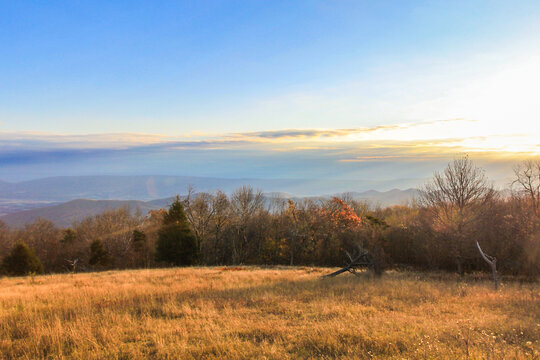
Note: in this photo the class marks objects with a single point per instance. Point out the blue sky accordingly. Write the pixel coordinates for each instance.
(115, 86)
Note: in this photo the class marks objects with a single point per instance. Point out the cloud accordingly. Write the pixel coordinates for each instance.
(416, 149)
(408, 139)
(36, 139)
(311, 134)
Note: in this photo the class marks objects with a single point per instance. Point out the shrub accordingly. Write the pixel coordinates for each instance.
(21, 261)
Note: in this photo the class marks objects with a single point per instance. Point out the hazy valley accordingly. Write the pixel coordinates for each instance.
(64, 200)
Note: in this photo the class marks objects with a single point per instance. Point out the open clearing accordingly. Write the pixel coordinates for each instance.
(289, 313)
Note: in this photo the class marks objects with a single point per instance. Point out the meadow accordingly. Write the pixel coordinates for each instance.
(266, 313)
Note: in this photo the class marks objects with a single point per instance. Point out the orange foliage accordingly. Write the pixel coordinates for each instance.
(342, 215)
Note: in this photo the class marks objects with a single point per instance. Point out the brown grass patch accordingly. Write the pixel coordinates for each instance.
(234, 268)
(254, 313)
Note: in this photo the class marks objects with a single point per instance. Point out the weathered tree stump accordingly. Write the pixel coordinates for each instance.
(492, 261)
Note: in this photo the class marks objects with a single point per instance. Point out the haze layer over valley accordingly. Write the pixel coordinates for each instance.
(64, 200)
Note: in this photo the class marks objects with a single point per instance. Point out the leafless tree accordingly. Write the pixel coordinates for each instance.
(6, 241)
(527, 181)
(43, 237)
(199, 211)
(115, 228)
(456, 196)
(245, 204)
(292, 214)
(220, 220)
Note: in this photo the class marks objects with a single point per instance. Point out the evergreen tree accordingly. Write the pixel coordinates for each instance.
(98, 254)
(176, 243)
(21, 261)
(69, 236)
(139, 243)
(176, 213)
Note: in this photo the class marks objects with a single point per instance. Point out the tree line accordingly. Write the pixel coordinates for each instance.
(456, 209)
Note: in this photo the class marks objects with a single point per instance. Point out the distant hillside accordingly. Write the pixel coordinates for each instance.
(386, 198)
(64, 214)
(8, 206)
(65, 188)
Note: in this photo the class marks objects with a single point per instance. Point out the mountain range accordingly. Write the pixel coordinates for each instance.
(65, 188)
(66, 199)
(65, 214)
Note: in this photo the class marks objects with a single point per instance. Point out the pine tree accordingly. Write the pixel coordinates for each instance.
(21, 261)
(98, 254)
(176, 213)
(176, 243)
(139, 243)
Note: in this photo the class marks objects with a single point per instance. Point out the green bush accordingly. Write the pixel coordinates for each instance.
(21, 261)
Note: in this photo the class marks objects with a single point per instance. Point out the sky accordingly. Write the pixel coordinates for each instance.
(267, 89)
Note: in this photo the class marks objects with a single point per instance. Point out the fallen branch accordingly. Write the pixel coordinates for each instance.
(361, 260)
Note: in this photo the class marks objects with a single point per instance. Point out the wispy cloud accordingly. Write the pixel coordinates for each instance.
(311, 134)
(343, 153)
(407, 138)
(26, 139)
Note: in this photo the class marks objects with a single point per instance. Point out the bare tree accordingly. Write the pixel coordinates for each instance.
(527, 179)
(455, 197)
(5, 239)
(43, 237)
(199, 211)
(115, 228)
(220, 220)
(245, 204)
(292, 213)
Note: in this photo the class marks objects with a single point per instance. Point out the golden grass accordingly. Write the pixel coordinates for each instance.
(207, 313)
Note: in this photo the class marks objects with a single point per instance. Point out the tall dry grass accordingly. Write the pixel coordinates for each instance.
(207, 313)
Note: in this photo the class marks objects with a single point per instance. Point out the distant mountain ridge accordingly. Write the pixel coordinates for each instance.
(26, 195)
(65, 188)
(65, 214)
(386, 198)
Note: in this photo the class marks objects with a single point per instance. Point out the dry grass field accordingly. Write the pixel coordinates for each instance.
(253, 313)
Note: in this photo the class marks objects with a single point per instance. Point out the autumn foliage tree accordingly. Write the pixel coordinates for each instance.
(339, 229)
